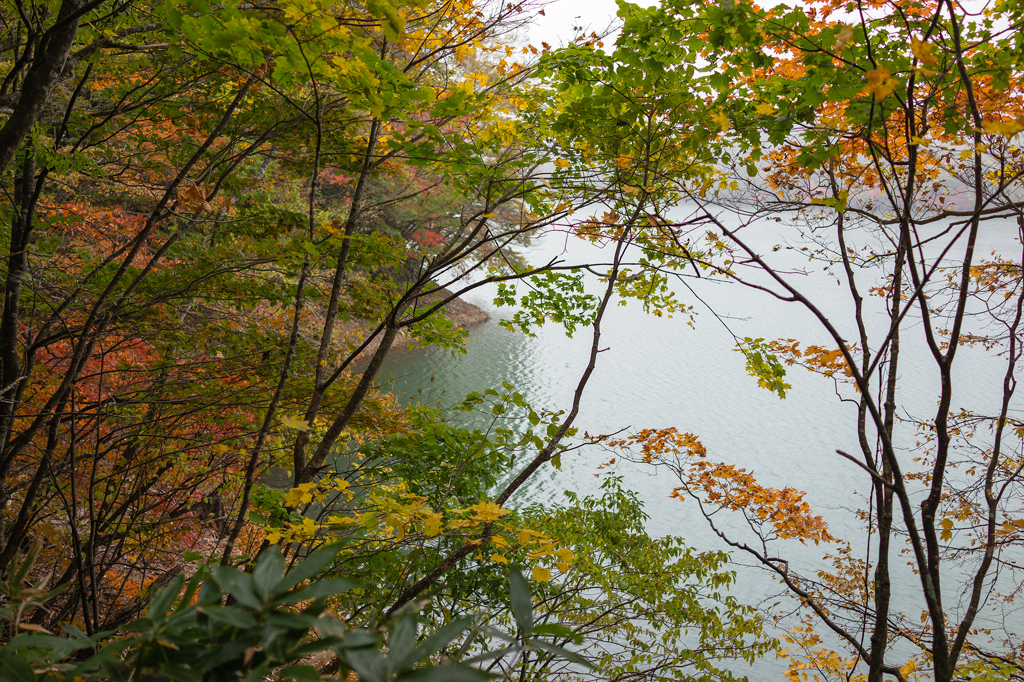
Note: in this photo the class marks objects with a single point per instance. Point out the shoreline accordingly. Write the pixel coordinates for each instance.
(464, 315)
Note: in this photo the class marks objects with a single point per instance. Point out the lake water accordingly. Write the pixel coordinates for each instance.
(660, 372)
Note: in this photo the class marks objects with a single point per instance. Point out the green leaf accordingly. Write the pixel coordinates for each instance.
(402, 641)
(308, 567)
(289, 620)
(268, 572)
(764, 366)
(553, 629)
(562, 653)
(368, 663)
(303, 673)
(238, 585)
(230, 616)
(356, 639)
(522, 601)
(316, 590)
(434, 643)
(15, 669)
(160, 603)
(447, 673)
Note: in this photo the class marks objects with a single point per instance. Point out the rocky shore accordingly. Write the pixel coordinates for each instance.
(464, 315)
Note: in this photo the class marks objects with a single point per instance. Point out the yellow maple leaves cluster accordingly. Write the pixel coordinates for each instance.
(880, 83)
(538, 547)
(394, 516)
(924, 53)
(1003, 128)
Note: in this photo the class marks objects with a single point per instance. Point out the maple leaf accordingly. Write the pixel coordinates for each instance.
(844, 37)
(923, 52)
(947, 529)
(880, 83)
(565, 556)
(722, 120)
(764, 109)
(541, 575)
(299, 495)
(297, 423)
(1003, 128)
(432, 525)
(485, 512)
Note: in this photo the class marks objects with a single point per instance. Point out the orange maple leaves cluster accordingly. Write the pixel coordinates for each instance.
(775, 513)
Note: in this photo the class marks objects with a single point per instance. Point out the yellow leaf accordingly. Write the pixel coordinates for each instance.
(764, 109)
(297, 423)
(485, 512)
(923, 51)
(918, 140)
(499, 541)
(527, 536)
(561, 163)
(541, 575)
(1003, 128)
(432, 525)
(565, 558)
(722, 120)
(220, 449)
(844, 37)
(880, 83)
(499, 559)
(299, 495)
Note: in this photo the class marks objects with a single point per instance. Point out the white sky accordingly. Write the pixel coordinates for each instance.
(561, 15)
(595, 15)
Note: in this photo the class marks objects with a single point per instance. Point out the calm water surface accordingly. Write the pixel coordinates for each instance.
(660, 372)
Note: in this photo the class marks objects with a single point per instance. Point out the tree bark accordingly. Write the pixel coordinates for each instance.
(47, 67)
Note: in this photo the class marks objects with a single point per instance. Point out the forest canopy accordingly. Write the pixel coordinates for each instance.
(222, 218)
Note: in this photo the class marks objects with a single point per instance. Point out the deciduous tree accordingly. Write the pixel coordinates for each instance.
(885, 135)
